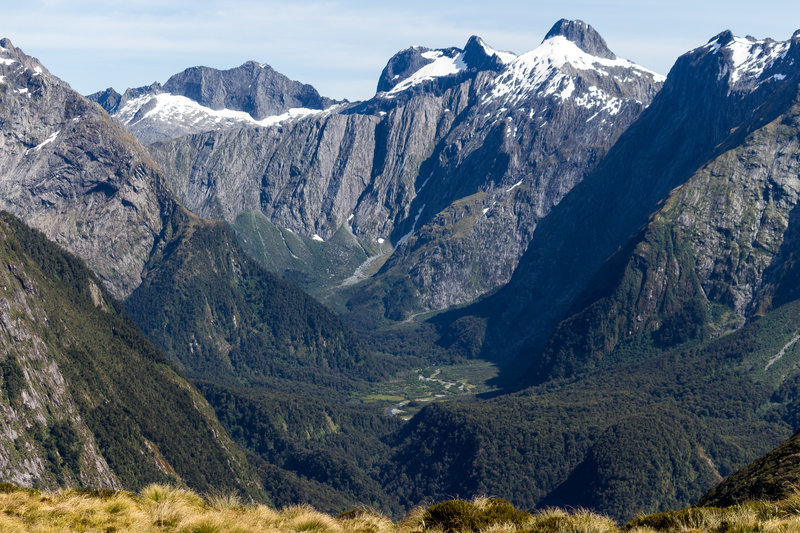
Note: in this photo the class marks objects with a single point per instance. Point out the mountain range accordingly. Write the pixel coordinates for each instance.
(618, 245)
(460, 149)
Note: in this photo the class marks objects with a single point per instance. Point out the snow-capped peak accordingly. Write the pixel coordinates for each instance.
(167, 115)
(416, 65)
(550, 69)
(583, 35)
(440, 65)
(749, 58)
(503, 56)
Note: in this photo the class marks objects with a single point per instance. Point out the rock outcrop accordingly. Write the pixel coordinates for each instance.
(75, 174)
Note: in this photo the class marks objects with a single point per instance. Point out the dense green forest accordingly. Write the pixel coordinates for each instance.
(677, 421)
(127, 395)
(220, 316)
(338, 445)
(684, 407)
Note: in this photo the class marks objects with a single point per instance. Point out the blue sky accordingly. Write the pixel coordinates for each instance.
(341, 47)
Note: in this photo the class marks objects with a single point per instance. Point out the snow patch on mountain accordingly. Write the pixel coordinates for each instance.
(44, 143)
(751, 58)
(517, 184)
(546, 69)
(440, 66)
(748, 58)
(505, 57)
(174, 108)
(594, 98)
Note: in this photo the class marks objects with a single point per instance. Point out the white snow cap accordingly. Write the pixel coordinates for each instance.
(749, 57)
(505, 57)
(172, 107)
(441, 65)
(547, 69)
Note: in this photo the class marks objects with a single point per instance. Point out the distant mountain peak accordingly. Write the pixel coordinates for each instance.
(748, 62)
(201, 99)
(475, 40)
(723, 38)
(417, 64)
(251, 63)
(480, 56)
(254, 88)
(583, 35)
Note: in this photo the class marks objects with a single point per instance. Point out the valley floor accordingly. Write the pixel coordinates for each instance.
(409, 391)
(162, 508)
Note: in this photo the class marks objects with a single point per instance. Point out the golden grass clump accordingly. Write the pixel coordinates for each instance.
(364, 520)
(580, 521)
(160, 508)
(750, 517)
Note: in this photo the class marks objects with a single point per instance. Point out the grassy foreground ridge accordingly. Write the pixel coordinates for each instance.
(163, 508)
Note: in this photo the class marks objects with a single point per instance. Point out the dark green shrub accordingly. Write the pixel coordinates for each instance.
(11, 377)
(459, 515)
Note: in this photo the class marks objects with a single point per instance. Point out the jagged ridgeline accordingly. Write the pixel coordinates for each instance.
(433, 186)
(201, 99)
(633, 293)
(704, 195)
(85, 398)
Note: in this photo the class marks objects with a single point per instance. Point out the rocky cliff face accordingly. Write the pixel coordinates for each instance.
(36, 395)
(722, 238)
(448, 168)
(204, 99)
(535, 130)
(72, 172)
(85, 399)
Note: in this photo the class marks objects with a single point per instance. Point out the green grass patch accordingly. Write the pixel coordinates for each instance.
(420, 386)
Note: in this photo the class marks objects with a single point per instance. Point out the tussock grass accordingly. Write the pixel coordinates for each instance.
(160, 508)
(756, 516)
